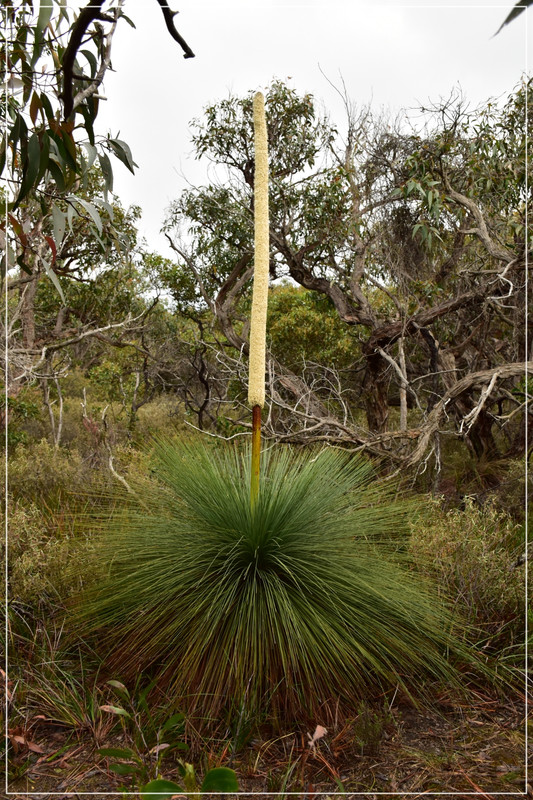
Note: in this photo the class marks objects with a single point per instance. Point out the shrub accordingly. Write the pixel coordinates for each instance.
(41, 472)
(303, 325)
(510, 495)
(161, 415)
(47, 487)
(471, 554)
(23, 411)
(300, 602)
(42, 553)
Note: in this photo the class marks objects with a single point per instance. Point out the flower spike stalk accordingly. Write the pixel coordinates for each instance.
(256, 378)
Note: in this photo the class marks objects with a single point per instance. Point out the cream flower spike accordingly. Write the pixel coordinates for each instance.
(256, 380)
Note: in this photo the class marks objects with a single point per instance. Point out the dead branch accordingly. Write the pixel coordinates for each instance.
(169, 22)
(484, 378)
(100, 432)
(481, 231)
(50, 348)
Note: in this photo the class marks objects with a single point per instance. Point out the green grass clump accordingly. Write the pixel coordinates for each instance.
(296, 605)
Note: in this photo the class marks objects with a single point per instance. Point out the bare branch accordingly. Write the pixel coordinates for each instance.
(89, 90)
(470, 418)
(481, 378)
(44, 353)
(169, 21)
(86, 16)
(493, 248)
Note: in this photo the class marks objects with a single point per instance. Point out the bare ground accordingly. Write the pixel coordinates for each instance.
(474, 749)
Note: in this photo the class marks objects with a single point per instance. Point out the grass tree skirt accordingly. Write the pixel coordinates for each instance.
(298, 604)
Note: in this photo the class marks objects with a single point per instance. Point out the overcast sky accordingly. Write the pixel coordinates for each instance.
(392, 54)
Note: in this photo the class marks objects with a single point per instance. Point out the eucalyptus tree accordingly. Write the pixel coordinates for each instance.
(414, 236)
(57, 213)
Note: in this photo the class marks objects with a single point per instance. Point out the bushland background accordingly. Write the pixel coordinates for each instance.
(398, 327)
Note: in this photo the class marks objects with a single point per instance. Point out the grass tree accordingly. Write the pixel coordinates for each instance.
(292, 599)
(300, 604)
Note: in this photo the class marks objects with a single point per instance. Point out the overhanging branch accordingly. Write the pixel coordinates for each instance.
(169, 21)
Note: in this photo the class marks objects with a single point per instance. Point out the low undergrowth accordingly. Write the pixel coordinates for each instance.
(355, 546)
(473, 555)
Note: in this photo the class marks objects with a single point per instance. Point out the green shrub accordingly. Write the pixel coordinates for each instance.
(73, 383)
(48, 487)
(40, 472)
(296, 604)
(161, 415)
(42, 553)
(23, 414)
(304, 325)
(471, 554)
(510, 494)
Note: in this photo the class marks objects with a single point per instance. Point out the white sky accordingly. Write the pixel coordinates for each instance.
(393, 54)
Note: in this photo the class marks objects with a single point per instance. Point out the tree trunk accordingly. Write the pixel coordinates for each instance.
(27, 313)
(480, 434)
(375, 392)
